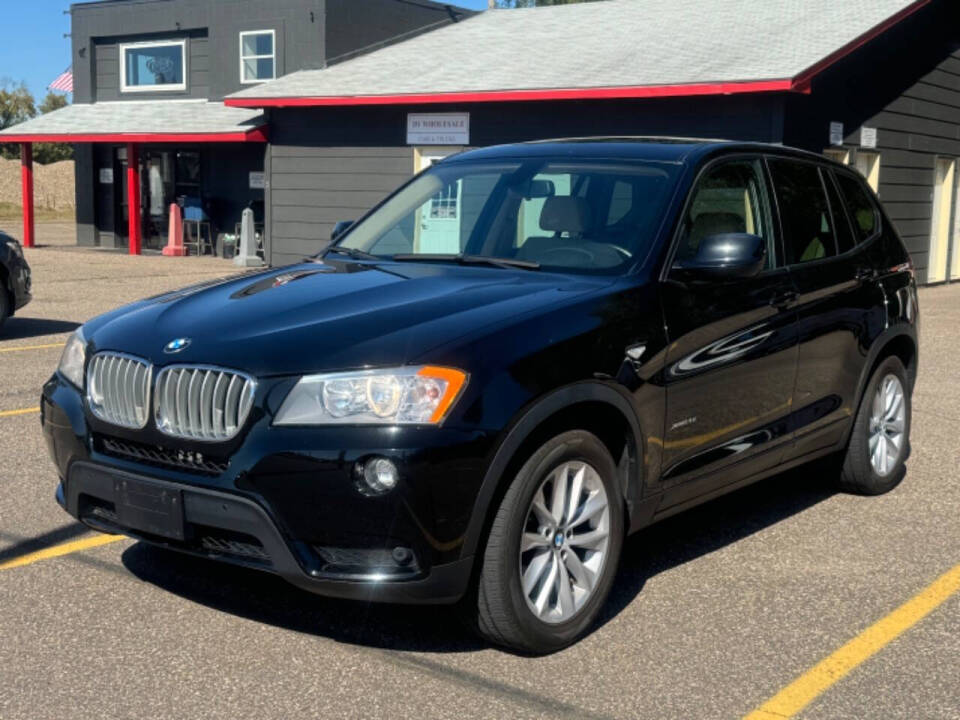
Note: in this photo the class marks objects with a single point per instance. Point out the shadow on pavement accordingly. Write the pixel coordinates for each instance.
(17, 328)
(714, 525)
(42, 542)
(265, 598)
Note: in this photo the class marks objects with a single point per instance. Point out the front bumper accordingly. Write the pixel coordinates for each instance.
(237, 530)
(288, 502)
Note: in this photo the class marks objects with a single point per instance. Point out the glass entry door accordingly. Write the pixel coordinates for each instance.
(156, 194)
(438, 221)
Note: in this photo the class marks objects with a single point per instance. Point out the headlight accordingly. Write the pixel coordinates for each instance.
(398, 396)
(73, 359)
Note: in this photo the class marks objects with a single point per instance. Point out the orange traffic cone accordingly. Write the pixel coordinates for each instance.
(175, 246)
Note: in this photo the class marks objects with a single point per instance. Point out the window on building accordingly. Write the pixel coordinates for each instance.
(840, 155)
(153, 66)
(804, 212)
(868, 165)
(258, 56)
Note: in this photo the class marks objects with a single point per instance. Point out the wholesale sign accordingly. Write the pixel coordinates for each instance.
(438, 129)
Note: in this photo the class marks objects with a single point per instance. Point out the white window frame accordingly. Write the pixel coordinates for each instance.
(273, 42)
(179, 87)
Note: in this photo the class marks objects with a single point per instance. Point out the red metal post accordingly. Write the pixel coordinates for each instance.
(133, 198)
(26, 178)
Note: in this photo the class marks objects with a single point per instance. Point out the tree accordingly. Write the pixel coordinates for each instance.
(53, 101)
(16, 105)
(46, 153)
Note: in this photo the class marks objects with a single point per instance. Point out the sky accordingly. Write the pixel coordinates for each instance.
(34, 49)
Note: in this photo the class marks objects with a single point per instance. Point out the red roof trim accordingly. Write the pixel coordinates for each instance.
(802, 81)
(257, 135)
(637, 91)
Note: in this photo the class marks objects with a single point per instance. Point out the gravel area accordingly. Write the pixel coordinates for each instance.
(53, 184)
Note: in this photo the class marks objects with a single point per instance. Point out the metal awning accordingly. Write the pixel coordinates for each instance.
(155, 121)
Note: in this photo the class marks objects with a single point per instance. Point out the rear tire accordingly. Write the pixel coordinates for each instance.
(553, 549)
(880, 439)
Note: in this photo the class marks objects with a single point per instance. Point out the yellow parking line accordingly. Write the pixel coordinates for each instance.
(24, 348)
(24, 411)
(58, 550)
(806, 688)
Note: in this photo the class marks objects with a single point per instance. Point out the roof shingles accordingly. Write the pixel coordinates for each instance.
(617, 43)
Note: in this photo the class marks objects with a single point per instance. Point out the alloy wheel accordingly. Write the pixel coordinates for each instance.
(565, 542)
(887, 425)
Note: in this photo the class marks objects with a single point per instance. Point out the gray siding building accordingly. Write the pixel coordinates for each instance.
(150, 77)
(312, 111)
(874, 83)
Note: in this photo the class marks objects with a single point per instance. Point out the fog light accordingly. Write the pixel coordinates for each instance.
(380, 475)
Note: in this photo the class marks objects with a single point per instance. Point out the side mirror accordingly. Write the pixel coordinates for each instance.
(340, 228)
(726, 256)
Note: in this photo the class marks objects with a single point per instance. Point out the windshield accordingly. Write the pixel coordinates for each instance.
(588, 217)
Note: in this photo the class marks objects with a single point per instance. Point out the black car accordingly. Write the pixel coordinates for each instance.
(14, 277)
(482, 386)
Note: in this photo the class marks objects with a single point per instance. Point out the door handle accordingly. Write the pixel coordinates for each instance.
(865, 274)
(785, 299)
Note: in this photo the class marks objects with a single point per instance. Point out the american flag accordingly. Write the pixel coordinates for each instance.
(64, 82)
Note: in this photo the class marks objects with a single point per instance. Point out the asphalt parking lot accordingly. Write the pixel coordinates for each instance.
(782, 600)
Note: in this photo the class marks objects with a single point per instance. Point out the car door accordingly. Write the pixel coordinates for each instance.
(732, 354)
(839, 304)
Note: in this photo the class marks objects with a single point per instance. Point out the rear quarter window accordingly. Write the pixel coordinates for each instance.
(805, 218)
(863, 211)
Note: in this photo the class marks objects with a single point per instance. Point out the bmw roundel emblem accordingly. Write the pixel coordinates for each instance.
(175, 346)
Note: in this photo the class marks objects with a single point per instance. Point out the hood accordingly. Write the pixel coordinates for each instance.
(328, 316)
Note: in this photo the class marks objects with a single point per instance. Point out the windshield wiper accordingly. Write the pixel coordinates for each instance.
(468, 260)
(351, 252)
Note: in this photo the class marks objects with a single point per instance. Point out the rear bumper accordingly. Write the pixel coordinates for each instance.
(234, 529)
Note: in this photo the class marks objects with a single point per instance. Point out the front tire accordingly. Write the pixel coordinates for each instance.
(4, 304)
(880, 440)
(554, 546)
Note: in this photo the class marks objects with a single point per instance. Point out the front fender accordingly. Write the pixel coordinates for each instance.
(528, 420)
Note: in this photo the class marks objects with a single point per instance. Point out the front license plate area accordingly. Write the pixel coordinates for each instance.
(149, 508)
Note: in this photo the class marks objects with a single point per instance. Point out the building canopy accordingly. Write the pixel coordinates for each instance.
(142, 121)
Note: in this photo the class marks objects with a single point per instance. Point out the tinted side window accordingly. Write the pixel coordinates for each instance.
(729, 198)
(621, 201)
(862, 211)
(845, 240)
(804, 211)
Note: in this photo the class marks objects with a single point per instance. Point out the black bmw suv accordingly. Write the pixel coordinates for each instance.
(14, 277)
(482, 386)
